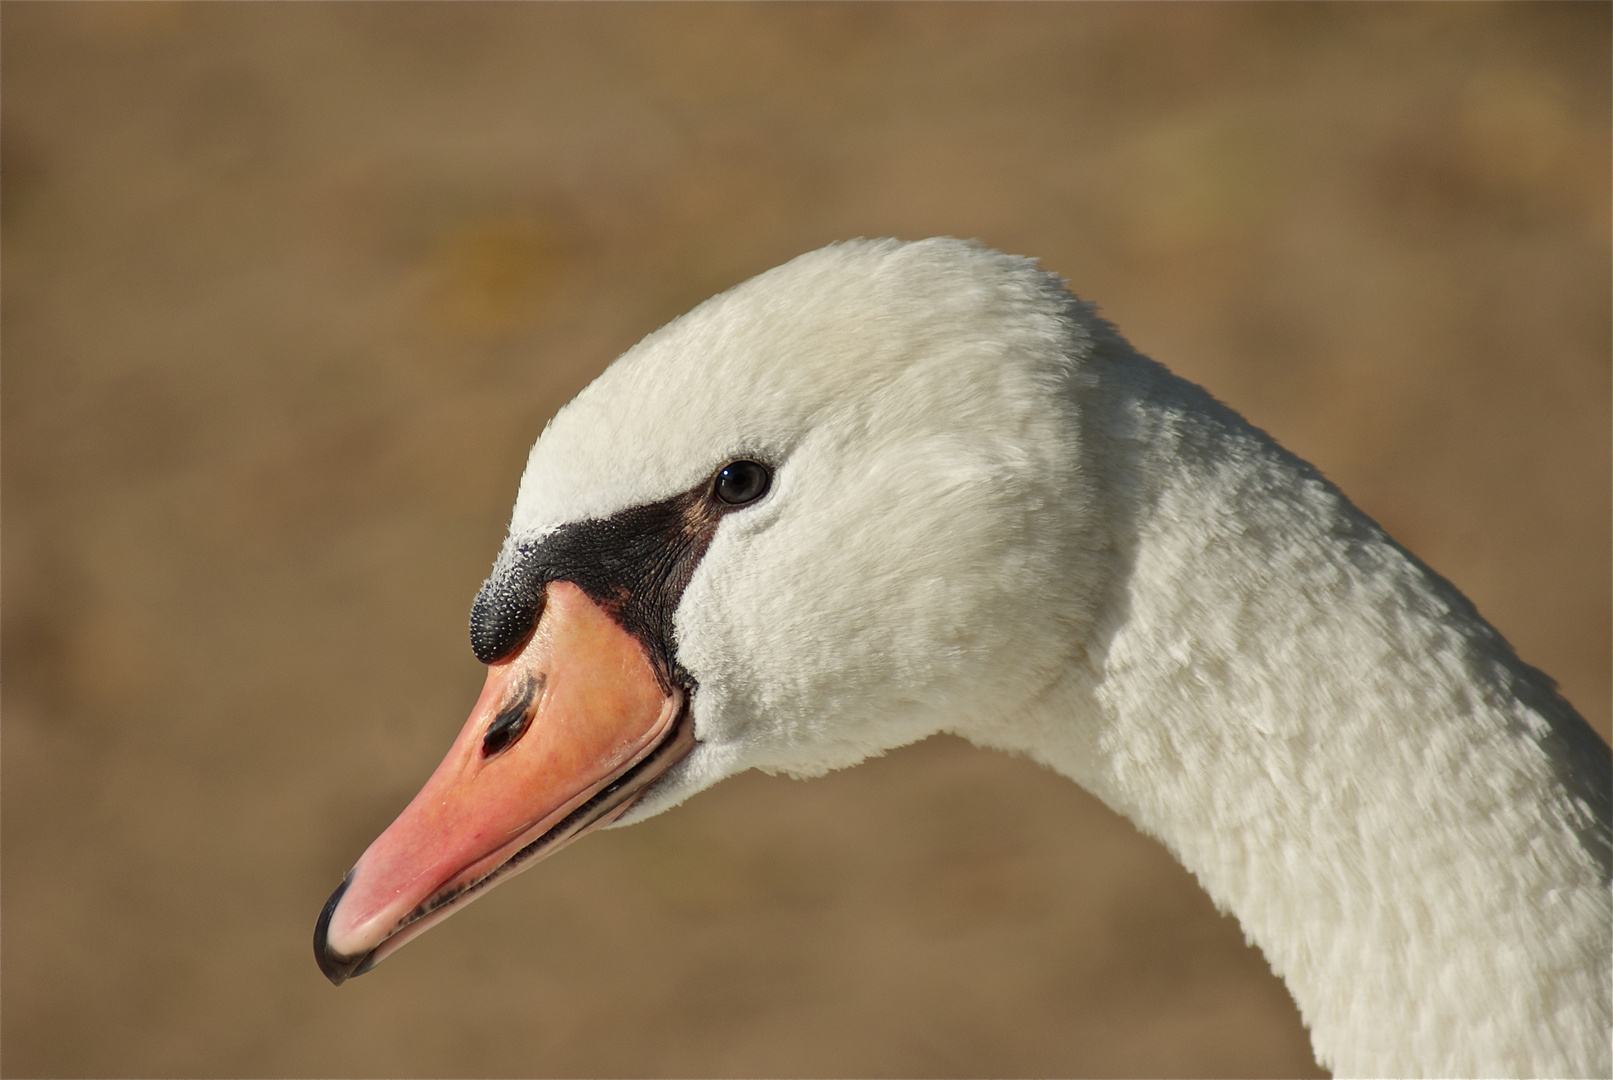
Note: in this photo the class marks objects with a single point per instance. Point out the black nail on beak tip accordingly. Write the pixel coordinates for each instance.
(336, 967)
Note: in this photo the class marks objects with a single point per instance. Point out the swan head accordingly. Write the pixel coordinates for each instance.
(829, 512)
(912, 404)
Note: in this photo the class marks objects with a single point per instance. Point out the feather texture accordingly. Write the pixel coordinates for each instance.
(990, 516)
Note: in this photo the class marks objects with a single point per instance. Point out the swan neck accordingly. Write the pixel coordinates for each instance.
(1408, 821)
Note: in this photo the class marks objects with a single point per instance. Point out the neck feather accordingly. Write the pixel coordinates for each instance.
(1407, 819)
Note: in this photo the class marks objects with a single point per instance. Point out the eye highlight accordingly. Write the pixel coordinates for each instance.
(741, 482)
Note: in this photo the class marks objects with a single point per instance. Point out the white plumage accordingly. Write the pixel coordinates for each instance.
(990, 516)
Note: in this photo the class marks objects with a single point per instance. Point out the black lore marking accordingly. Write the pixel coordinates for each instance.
(507, 607)
(635, 564)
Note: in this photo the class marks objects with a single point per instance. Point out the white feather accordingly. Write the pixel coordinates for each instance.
(991, 517)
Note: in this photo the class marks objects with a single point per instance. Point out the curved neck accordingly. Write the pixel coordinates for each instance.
(1407, 819)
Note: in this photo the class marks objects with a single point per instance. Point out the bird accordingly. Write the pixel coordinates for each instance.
(890, 489)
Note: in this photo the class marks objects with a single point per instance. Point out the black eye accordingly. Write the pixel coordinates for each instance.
(742, 482)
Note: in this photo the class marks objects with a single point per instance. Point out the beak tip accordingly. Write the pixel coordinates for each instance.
(335, 967)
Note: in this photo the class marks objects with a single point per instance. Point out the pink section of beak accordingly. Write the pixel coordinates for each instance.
(575, 709)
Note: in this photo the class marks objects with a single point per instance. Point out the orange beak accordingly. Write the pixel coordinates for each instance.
(566, 735)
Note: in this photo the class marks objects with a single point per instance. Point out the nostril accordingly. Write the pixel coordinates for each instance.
(512, 721)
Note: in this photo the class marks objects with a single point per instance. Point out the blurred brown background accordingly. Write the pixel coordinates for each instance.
(289, 290)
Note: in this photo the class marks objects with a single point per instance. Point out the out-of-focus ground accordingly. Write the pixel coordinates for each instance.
(289, 290)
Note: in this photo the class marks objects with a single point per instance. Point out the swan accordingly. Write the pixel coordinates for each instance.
(892, 489)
